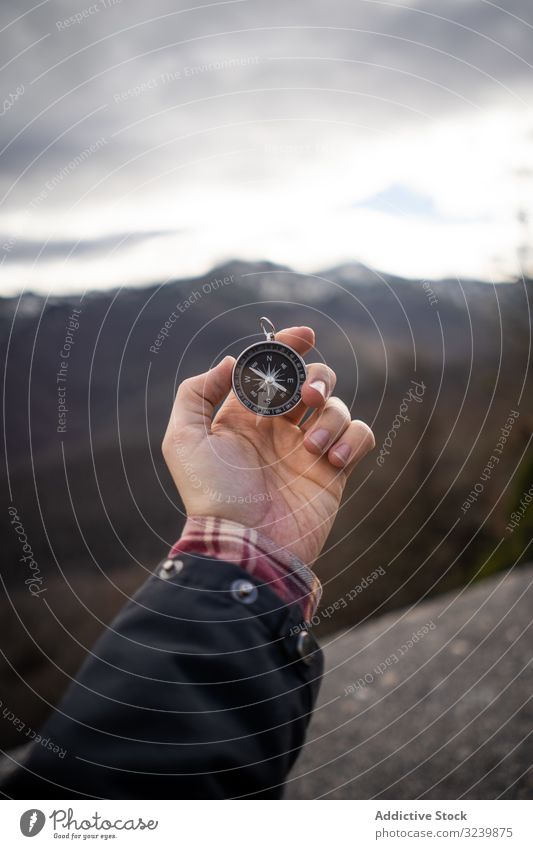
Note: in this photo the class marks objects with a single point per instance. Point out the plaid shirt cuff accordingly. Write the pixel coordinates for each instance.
(261, 557)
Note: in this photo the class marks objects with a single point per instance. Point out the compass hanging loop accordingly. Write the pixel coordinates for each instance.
(268, 328)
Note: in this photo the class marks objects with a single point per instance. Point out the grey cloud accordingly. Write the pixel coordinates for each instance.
(22, 250)
(309, 52)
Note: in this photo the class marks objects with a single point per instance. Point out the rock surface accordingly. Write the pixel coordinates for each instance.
(444, 715)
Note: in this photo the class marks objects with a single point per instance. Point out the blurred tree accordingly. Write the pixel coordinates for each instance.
(516, 545)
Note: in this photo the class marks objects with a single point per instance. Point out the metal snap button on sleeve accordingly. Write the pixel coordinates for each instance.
(170, 568)
(306, 647)
(244, 591)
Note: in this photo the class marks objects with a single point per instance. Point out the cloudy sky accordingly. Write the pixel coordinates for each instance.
(140, 141)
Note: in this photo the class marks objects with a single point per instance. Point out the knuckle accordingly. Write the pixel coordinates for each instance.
(365, 434)
(336, 416)
(186, 385)
(323, 372)
(329, 376)
(338, 406)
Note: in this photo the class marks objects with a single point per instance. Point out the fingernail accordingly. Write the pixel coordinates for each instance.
(320, 386)
(343, 452)
(320, 437)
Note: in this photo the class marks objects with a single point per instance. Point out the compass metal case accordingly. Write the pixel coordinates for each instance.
(268, 376)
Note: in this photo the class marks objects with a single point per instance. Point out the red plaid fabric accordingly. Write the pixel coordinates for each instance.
(282, 571)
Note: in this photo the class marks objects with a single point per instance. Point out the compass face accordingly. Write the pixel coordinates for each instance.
(268, 378)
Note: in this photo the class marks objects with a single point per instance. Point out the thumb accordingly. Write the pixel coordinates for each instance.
(198, 396)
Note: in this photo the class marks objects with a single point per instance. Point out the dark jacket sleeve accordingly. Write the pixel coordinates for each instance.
(202, 687)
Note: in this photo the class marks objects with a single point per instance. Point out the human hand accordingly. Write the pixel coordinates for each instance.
(267, 473)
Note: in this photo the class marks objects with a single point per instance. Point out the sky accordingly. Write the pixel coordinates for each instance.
(141, 142)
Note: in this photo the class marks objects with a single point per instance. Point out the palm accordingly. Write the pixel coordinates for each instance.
(290, 495)
(258, 471)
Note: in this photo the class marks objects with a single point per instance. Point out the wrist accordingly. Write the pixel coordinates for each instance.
(279, 569)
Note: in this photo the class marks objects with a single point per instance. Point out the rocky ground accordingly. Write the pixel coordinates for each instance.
(444, 714)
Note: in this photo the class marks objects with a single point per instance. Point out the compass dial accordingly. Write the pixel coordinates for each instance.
(268, 378)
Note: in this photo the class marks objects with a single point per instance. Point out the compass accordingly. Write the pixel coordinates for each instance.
(268, 375)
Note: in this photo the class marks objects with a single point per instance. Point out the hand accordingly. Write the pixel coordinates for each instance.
(266, 473)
